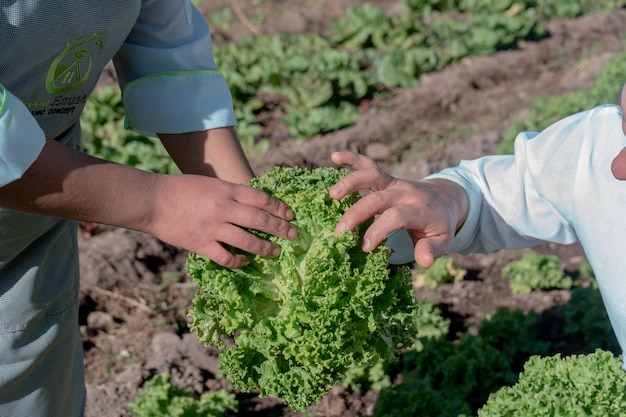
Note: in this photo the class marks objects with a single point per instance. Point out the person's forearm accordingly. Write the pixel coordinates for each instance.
(193, 212)
(216, 153)
(66, 183)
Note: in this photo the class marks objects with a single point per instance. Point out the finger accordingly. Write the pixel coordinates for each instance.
(424, 256)
(247, 217)
(247, 242)
(260, 211)
(373, 179)
(361, 211)
(220, 255)
(618, 166)
(429, 249)
(262, 200)
(391, 220)
(388, 203)
(352, 160)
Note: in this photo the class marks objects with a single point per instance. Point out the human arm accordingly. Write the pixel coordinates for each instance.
(215, 153)
(431, 210)
(514, 201)
(45, 177)
(193, 212)
(171, 85)
(172, 88)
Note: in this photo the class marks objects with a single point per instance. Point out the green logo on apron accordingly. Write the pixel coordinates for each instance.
(73, 66)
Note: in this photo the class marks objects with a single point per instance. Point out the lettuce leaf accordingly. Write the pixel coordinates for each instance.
(592, 384)
(292, 326)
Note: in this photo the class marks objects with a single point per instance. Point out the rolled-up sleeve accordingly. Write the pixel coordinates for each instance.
(170, 82)
(21, 138)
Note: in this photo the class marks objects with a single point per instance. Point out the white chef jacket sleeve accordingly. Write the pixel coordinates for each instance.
(525, 199)
(21, 138)
(169, 80)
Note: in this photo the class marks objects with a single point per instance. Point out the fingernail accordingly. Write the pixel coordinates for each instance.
(366, 244)
(336, 189)
(289, 214)
(341, 227)
(275, 251)
(293, 232)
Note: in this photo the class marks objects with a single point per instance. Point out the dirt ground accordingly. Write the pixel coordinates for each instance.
(135, 294)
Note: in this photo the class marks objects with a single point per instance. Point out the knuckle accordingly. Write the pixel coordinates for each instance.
(264, 199)
(281, 228)
(261, 218)
(265, 250)
(248, 241)
(225, 259)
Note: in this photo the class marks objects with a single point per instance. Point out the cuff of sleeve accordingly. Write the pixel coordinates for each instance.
(21, 138)
(465, 236)
(178, 103)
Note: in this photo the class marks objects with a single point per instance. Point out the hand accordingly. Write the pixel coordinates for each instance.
(201, 214)
(194, 212)
(431, 210)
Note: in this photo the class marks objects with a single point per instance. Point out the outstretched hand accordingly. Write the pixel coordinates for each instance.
(203, 214)
(430, 210)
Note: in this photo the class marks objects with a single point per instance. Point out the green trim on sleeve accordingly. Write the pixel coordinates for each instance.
(167, 74)
(5, 99)
(128, 125)
(177, 101)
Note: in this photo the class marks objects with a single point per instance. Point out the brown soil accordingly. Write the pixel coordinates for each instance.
(135, 294)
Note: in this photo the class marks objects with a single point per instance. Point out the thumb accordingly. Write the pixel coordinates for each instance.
(429, 249)
(618, 166)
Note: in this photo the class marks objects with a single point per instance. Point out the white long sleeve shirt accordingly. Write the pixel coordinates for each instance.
(557, 187)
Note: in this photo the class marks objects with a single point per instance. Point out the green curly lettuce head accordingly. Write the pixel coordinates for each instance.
(301, 320)
(592, 384)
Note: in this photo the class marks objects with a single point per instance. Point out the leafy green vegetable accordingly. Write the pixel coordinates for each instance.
(431, 323)
(535, 272)
(306, 124)
(445, 379)
(402, 67)
(574, 386)
(432, 326)
(440, 272)
(162, 399)
(302, 320)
